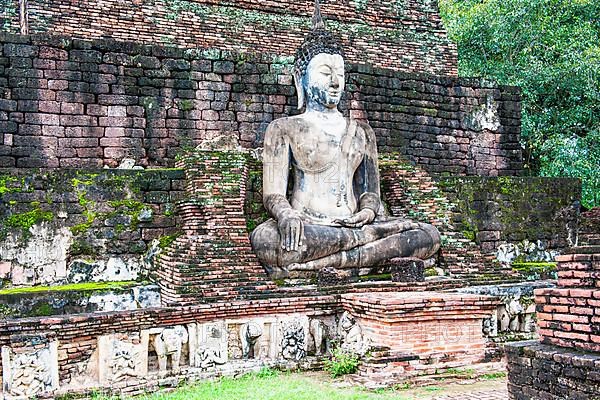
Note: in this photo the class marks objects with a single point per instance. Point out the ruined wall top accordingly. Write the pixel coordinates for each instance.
(404, 35)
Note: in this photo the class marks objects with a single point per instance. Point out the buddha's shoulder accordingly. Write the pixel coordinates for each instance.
(286, 122)
(287, 126)
(365, 129)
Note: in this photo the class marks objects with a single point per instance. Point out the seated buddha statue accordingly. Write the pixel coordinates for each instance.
(333, 216)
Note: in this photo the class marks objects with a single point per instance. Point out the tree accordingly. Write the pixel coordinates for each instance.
(551, 49)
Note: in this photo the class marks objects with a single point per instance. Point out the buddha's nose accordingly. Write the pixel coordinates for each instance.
(335, 81)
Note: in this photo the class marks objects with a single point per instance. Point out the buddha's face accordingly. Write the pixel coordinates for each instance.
(323, 81)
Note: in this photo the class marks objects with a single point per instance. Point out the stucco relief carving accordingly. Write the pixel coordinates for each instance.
(317, 340)
(249, 335)
(122, 357)
(351, 335)
(26, 375)
(294, 334)
(169, 345)
(252, 339)
(208, 344)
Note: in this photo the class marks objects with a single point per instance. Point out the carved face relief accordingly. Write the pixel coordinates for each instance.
(323, 81)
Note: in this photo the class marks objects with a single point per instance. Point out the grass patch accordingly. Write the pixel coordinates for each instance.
(493, 376)
(86, 286)
(269, 384)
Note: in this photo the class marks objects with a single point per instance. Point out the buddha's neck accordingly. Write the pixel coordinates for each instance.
(330, 115)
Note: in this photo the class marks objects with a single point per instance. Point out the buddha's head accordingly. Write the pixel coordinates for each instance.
(319, 67)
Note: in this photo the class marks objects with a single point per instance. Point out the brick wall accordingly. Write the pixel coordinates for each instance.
(569, 315)
(77, 334)
(476, 215)
(537, 371)
(405, 35)
(224, 267)
(99, 215)
(565, 364)
(72, 103)
(589, 227)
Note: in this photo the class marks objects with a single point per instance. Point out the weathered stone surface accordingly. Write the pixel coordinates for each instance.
(60, 227)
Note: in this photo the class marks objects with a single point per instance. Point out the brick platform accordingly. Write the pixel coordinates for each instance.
(419, 331)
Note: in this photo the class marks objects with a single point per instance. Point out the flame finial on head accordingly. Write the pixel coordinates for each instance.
(317, 20)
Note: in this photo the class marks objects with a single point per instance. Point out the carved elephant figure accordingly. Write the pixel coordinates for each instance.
(318, 335)
(169, 343)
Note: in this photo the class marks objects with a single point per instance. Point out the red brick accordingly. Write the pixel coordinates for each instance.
(580, 293)
(570, 318)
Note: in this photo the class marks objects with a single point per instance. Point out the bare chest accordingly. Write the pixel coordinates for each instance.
(319, 152)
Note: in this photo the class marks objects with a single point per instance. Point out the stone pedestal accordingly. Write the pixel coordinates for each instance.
(420, 331)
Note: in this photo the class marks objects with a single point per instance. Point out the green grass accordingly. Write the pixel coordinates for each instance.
(493, 376)
(86, 286)
(269, 386)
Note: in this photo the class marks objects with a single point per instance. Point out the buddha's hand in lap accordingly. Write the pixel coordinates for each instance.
(358, 220)
(291, 230)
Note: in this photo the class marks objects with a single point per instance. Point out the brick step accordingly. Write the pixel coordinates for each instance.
(218, 276)
(181, 261)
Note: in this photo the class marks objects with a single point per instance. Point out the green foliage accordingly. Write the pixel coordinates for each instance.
(342, 362)
(9, 184)
(493, 376)
(550, 49)
(266, 372)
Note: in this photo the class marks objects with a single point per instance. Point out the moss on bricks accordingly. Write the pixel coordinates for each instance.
(536, 270)
(167, 240)
(75, 287)
(25, 220)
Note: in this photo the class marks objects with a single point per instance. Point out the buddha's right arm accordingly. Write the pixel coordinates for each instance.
(276, 163)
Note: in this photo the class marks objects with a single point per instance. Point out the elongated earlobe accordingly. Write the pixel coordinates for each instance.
(299, 89)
